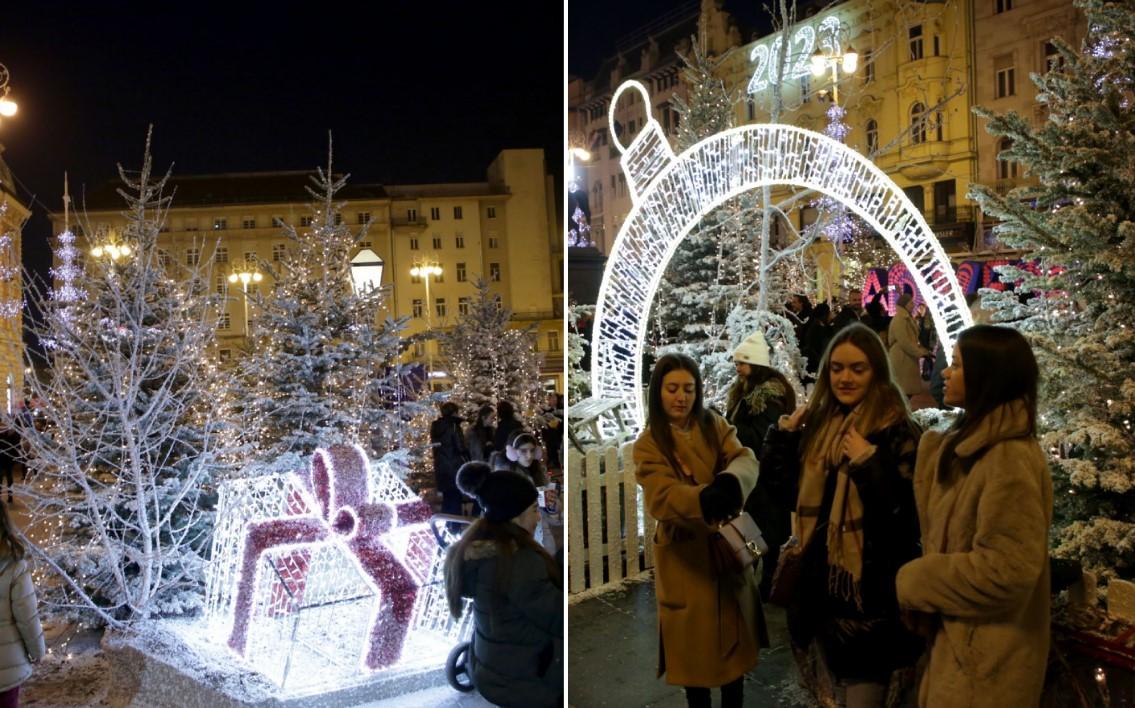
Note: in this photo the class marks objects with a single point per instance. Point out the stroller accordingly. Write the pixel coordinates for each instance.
(458, 671)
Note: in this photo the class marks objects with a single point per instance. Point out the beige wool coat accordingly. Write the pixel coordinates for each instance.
(991, 584)
(710, 626)
(904, 351)
(21, 636)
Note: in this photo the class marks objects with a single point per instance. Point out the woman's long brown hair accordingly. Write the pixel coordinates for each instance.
(656, 418)
(508, 538)
(9, 536)
(759, 374)
(884, 398)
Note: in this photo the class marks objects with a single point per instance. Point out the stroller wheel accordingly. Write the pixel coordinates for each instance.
(457, 670)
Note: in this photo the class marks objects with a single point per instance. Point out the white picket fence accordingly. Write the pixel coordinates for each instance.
(609, 537)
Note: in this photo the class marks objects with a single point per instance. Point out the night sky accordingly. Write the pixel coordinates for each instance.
(413, 91)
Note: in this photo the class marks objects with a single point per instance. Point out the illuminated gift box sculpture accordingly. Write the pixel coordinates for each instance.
(324, 576)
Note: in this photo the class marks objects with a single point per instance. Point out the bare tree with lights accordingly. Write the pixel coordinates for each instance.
(129, 440)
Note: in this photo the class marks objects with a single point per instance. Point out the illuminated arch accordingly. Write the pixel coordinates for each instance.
(671, 193)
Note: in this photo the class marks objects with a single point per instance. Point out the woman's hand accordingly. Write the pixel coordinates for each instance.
(792, 422)
(854, 444)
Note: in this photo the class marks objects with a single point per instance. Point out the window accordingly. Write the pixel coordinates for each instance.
(868, 67)
(220, 223)
(279, 251)
(225, 355)
(416, 279)
(254, 288)
(413, 243)
(750, 108)
(917, 197)
(939, 122)
(1006, 79)
(493, 242)
(364, 217)
(1052, 58)
(457, 212)
(463, 306)
(411, 215)
(164, 259)
(917, 124)
(192, 256)
(419, 348)
(364, 244)
(439, 277)
(553, 341)
(1000, 6)
(936, 48)
(225, 321)
(278, 222)
(435, 213)
(437, 242)
(495, 272)
(339, 218)
(805, 89)
(416, 307)
(916, 43)
(945, 202)
(305, 221)
(250, 257)
(191, 224)
(248, 222)
(872, 137)
(622, 185)
(222, 255)
(220, 284)
(460, 241)
(498, 302)
(1006, 169)
(492, 212)
(461, 272)
(439, 307)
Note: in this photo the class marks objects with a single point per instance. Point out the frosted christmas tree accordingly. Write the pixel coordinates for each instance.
(130, 446)
(490, 361)
(1080, 222)
(322, 369)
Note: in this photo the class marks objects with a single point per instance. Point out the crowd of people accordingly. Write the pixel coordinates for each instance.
(508, 561)
(905, 560)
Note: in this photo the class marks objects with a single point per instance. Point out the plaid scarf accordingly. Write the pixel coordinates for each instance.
(845, 522)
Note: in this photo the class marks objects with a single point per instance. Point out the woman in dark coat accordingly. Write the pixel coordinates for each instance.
(851, 450)
(507, 424)
(817, 335)
(479, 435)
(516, 657)
(757, 399)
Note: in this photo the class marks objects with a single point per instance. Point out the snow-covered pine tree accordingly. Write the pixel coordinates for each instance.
(118, 507)
(490, 361)
(322, 370)
(579, 378)
(1079, 220)
(711, 271)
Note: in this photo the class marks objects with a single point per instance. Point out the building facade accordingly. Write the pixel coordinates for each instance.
(503, 229)
(923, 66)
(13, 215)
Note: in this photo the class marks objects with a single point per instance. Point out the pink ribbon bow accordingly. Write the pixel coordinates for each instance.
(339, 482)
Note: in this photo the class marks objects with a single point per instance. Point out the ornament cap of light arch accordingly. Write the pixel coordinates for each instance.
(649, 154)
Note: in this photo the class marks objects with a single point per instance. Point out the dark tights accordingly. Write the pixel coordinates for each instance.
(731, 695)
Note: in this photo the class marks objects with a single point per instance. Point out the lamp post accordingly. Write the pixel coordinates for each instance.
(366, 271)
(848, 60)
(424, 271)
(577, 235)
(111, 251)
(8, 107)
(246, 275)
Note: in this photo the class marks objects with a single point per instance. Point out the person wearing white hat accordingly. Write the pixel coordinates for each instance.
(757, 399)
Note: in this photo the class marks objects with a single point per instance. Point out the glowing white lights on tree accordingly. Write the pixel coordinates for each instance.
(670, 194)
(322, 576)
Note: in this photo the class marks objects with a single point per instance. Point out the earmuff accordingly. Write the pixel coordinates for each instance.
(513, 455)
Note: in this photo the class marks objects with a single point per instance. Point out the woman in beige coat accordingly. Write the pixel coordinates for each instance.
(984, 499)
(694, 473)
(905, 351)
(21, 636)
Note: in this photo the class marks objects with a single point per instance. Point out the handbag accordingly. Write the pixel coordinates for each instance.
(787, 572)
(737, 544)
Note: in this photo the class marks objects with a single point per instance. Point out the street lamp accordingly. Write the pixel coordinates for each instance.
(424, 271)
(113, 251)
(848, 61)
(577, 234)
(366, 271)
(247, 275)
(8, 107)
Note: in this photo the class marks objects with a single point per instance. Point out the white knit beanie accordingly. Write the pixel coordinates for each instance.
(754, 350)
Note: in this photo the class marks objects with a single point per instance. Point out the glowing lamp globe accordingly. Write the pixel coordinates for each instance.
(366, 271)
(7, 107)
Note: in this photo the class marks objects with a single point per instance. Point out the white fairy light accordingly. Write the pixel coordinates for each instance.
(671, 194)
